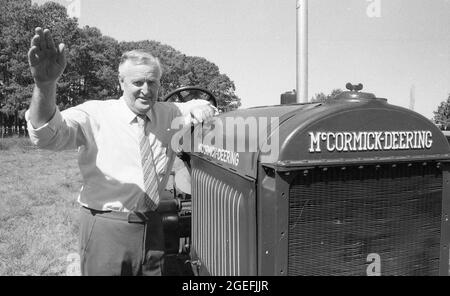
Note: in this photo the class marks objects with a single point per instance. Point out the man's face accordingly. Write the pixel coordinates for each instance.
(140, 84)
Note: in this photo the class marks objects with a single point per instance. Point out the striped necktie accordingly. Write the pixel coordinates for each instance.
(150, 199)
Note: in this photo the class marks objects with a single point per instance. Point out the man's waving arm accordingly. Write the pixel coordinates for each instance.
(48, 128)
(47, 63)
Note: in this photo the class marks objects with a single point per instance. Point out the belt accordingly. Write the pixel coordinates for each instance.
(131, 217)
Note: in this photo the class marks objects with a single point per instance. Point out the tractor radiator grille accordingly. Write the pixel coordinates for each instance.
(216, 224)
(337, 217)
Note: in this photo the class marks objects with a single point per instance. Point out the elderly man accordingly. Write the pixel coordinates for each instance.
(124, 155)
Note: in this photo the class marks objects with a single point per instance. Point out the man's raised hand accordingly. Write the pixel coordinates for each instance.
(47, 62)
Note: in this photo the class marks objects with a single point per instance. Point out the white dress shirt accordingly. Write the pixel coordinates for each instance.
(106, 136)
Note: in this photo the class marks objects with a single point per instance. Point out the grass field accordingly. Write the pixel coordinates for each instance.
(38, 209)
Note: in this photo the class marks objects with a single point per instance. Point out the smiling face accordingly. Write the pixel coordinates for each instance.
(140, 84)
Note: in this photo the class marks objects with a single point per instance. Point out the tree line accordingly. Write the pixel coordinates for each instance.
(442, 115)
(92, 69)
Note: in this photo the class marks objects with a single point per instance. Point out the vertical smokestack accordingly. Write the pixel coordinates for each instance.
(412, 97)
(302, 51)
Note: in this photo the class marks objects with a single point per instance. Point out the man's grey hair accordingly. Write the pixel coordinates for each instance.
(139, 57)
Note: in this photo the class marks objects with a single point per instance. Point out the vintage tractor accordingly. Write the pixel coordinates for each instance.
(351, 186)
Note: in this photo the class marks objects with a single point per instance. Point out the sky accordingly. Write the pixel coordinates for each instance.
(390, 46)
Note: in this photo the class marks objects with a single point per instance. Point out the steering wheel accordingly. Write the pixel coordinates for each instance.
(187, 93)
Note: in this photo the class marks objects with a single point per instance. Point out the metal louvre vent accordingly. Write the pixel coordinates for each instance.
(215, 224)
(338, 217)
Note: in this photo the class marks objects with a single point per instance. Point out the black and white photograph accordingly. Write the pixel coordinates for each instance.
(224, 142)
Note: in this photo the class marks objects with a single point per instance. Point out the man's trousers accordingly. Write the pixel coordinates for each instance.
(113, 243)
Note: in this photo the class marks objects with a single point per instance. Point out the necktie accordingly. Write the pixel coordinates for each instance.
(150, 199)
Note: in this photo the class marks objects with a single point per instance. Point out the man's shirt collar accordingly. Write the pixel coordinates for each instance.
(127, 115)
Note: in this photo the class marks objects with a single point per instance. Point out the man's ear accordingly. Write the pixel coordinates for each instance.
(121, 81)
